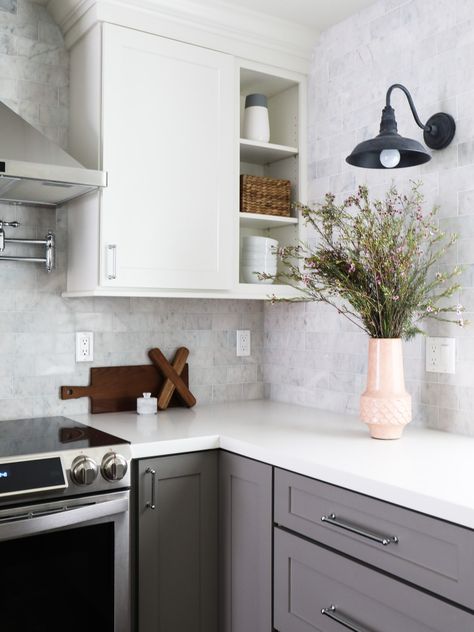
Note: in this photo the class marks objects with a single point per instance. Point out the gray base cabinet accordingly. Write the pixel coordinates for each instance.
(228, 544)
(245, 507)
(177, 543)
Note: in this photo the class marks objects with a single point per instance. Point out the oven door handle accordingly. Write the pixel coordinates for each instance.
(32, 523)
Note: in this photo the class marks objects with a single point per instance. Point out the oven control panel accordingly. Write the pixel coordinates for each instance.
(69, 473)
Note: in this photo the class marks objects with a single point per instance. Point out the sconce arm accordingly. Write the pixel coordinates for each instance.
(424, 127)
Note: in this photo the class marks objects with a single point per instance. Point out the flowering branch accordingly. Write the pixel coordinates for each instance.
(379, 257)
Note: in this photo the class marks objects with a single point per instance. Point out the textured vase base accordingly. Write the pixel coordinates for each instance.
(379, 431)
(386, 418)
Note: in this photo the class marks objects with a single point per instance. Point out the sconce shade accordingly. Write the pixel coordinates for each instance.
(367, 153)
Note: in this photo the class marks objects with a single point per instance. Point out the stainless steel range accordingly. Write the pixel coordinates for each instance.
(64, 527)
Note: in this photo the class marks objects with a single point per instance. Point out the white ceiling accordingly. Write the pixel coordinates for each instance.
(315, 14)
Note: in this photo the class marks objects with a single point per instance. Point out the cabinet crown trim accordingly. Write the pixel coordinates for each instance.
(237, 31)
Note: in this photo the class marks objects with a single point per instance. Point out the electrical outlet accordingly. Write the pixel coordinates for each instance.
(243, 342)
(441, 355)
(84, 346)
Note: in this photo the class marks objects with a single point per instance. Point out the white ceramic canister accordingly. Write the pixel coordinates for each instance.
(257, 244)
(256, 123)
(147, 405)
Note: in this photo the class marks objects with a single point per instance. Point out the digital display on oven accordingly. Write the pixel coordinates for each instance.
(29, 476)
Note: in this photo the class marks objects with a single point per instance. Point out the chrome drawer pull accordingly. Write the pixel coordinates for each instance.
(370, 535)
(348, 623)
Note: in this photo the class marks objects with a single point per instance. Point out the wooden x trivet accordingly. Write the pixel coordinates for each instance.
(172, 374)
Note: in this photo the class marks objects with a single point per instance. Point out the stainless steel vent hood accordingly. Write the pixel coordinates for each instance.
(35, 171)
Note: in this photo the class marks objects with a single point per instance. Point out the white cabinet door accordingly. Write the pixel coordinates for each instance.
(167, 145)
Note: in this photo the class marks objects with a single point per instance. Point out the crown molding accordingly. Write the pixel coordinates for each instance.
(221, 26)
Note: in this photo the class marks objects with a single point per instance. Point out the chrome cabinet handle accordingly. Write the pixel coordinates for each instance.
(151, 503)
(353, 528)
(111, 261)
(347, 622)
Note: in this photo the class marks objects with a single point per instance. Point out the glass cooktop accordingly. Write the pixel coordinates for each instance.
(21, 437)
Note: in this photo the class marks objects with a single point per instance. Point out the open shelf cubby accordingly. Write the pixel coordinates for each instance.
(279, 158)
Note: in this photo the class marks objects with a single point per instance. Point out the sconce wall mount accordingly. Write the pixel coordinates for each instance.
(390, 150)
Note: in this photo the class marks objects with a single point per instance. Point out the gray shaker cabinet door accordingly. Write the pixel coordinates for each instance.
(177, 544)
(245, 491)
(310, 578)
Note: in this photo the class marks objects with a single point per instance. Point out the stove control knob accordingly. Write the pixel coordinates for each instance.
(84, 470)
(114, 467)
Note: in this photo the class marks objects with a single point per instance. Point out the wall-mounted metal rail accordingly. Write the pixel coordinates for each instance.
(49, 244)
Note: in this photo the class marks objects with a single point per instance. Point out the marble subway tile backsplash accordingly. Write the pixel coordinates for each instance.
(427, 45)
(34, 67)
(8, 5)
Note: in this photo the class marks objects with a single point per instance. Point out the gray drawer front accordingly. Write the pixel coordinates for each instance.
(309, 578)
(430, 553)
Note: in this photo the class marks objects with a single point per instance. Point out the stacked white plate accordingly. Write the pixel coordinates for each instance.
(258, 255)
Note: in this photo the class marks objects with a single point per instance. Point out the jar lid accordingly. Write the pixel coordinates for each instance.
(252, 100)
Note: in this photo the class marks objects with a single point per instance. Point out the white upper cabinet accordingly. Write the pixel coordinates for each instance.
(162, 116)
(167, 125)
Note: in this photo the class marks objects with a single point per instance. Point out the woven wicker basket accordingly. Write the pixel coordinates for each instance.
(263, 195)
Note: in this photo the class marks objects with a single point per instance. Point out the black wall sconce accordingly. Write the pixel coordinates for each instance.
(389, 150)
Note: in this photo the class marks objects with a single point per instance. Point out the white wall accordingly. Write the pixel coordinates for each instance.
(312, 355)
(37, 326)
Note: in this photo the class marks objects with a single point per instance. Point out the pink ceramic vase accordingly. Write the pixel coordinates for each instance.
(385, 406)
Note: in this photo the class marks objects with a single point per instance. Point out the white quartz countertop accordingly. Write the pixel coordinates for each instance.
(426, 470)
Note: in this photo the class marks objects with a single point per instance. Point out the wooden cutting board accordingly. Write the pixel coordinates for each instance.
(116, 388)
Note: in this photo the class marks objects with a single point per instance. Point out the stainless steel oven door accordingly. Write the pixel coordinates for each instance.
(68, 557)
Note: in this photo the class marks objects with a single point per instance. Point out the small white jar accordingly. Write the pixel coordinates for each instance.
(147, 405)
(256, 123)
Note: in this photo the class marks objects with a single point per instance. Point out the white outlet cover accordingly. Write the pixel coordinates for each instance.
(84, 346)
(243, 342)
(441, 355)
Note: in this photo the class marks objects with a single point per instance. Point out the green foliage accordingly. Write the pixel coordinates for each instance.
(380, 258)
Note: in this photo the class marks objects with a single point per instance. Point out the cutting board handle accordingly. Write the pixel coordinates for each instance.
(74, 392)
